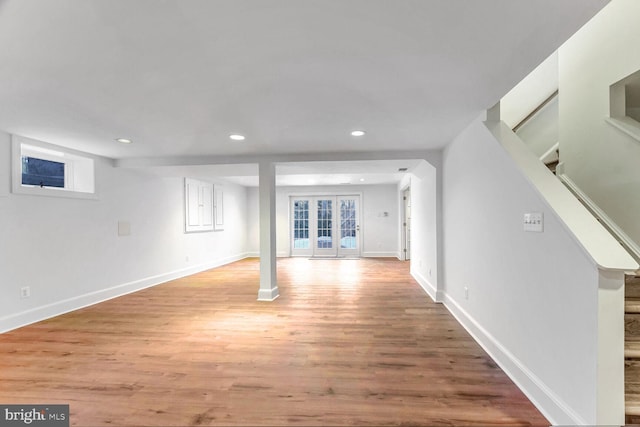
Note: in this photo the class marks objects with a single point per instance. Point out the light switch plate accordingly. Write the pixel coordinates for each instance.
(534, 222)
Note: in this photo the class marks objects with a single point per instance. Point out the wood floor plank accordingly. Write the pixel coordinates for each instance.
(349, 342)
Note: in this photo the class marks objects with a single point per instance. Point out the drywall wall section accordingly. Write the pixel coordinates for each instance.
(424, 227)
(601, 159)
(253, 222)
(380, 233)
(540, 133)
(527, 95)
(68, 251)
(5, 164)
(531, 299)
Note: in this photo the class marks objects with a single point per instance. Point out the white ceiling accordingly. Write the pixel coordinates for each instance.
(294, 76)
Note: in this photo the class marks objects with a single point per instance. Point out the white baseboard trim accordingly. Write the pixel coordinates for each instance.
(268, 294)
(552, 406)
(253, 254)
(381, 254)
(28, 317)
(431, 290)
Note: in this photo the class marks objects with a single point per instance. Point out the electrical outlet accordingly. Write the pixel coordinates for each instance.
(466, 292)
(25, 292)
(186, 258)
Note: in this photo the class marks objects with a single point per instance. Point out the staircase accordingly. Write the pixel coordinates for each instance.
(632, 349)
(534, 131)
(553, 165)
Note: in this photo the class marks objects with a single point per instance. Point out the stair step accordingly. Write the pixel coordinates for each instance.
(632, 405)
(632, 286)
(632, 390)
(632, 326)
(632, 419)
(632, 350)
(632, 386)
(632, 305)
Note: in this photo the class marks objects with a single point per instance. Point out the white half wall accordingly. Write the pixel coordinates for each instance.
(532, 297)
(70, 255)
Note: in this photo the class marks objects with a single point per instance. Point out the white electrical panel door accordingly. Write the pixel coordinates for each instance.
(218, 207)
(207, 206)
(192, 195)
(198, 203)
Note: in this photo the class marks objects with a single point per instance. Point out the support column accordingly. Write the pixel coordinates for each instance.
(267, 197)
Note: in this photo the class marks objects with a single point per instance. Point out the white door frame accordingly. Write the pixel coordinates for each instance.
(405, 223)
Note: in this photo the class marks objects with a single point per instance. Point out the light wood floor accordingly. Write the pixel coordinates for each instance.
(349, 342)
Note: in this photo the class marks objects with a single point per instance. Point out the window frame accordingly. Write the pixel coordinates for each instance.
(74, 162)
(618, 117)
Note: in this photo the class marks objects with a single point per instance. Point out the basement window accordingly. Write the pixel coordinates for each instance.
(624, 105)
(48, 170)
(41, 172)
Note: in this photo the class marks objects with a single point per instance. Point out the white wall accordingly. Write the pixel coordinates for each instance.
(527, 95)
(5, 164)
(253, 222)
(424, 226)
(380, 234)
(69, 253)
(533, 297)
(600, 159)
(540, 133)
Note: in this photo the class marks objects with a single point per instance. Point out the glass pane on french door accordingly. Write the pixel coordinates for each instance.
(347, 224)
(349, 227)
(324, 226)
(301, 224)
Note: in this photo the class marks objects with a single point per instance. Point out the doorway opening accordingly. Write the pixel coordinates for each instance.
(325, 226)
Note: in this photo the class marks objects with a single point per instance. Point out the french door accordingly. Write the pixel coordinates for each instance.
(325, 226)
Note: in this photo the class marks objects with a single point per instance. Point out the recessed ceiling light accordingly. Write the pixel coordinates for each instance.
(237, 137)
(124, 141)
(357, 133)
(361, 179)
